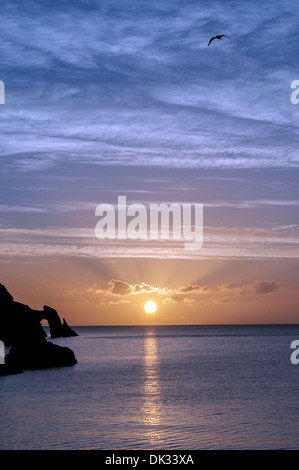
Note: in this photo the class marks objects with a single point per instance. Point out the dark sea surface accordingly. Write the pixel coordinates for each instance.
(159, 387)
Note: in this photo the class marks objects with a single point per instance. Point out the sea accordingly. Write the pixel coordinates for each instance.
(159, 387)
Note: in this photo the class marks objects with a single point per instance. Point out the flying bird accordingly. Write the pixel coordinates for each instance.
(217, 37)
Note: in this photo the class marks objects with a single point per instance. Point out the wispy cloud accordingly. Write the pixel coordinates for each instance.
(219, 242)
(137, 85)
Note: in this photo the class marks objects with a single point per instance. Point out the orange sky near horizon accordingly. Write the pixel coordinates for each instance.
(186, 292)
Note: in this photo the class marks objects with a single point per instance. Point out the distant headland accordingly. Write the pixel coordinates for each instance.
(21, 330)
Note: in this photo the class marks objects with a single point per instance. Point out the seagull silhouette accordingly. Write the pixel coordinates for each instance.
(217, 37)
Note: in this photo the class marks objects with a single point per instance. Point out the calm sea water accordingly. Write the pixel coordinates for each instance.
(180, 387)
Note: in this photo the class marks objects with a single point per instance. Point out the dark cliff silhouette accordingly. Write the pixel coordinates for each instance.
(22, 332)
(57, 328)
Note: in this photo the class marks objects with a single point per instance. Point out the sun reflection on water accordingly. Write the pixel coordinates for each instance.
(152, 403)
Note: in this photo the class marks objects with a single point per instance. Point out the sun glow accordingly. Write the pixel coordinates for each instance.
(150, 306)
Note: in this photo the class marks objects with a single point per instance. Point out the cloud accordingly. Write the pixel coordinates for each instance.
(169, 300)
(119, 287)
(195, 288)
(188, 294)
(265, 287)
(143, 288)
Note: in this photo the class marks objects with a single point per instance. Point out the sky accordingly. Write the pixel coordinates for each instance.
(109, 98)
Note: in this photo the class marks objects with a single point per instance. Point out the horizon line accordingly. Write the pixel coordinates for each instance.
(186, 324)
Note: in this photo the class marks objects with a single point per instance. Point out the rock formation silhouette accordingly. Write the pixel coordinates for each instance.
(22, 332)
(57, 328)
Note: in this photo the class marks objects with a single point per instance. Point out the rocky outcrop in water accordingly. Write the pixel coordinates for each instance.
(22, 332)
(57, 328)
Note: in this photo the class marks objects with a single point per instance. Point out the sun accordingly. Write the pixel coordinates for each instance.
(150, 306)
